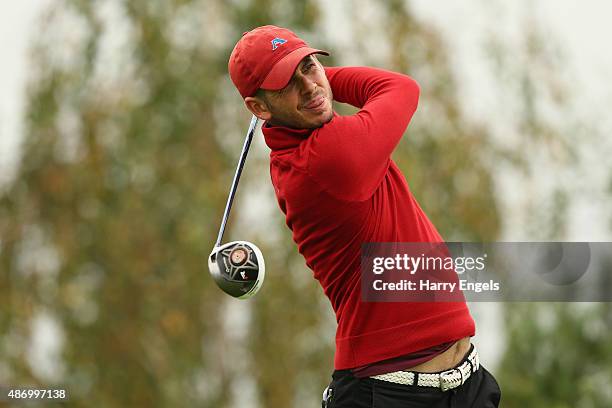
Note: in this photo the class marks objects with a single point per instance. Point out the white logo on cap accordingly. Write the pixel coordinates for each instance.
(276, 42)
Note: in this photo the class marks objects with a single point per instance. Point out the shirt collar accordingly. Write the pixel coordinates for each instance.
(280, 137)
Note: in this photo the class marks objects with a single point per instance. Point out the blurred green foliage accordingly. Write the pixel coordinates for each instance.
(558, 355)
(132, 133)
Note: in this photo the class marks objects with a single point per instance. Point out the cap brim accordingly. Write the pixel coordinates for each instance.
(281, 73)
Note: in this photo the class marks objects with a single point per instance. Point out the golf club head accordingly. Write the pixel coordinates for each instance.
(238, 268)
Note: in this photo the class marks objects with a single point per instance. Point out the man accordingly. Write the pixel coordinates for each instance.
(338, 188)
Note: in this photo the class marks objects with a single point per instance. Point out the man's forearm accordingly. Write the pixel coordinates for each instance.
(359, 85)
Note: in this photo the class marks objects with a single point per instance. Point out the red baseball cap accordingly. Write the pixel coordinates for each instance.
(266, 57)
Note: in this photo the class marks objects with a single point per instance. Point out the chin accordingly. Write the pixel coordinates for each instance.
(327, 116)
(320, 121)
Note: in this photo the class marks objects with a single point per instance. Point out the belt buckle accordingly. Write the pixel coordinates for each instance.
(446, 381)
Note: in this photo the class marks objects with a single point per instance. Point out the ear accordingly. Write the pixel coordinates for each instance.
(258, 107)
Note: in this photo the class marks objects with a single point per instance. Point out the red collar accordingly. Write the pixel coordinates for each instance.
(280, 137)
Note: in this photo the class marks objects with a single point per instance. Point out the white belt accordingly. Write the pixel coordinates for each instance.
(446, 380)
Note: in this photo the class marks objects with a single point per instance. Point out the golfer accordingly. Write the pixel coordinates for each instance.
(338, 187)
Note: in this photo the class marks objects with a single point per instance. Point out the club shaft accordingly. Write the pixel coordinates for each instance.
(234, 187)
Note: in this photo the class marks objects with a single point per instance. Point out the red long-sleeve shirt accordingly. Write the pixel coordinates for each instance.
(339, 188)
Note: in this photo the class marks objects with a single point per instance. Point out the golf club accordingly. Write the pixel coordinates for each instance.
(237, 267)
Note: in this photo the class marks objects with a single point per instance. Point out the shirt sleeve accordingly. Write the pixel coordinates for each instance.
(349, 156)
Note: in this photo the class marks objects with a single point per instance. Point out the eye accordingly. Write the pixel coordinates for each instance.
(308, 66)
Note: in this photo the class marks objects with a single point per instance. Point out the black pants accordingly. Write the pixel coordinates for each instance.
(479, 391)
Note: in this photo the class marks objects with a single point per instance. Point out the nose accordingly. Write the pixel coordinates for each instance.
(307, 85)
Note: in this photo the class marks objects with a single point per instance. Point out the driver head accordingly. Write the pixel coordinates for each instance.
(238, 268)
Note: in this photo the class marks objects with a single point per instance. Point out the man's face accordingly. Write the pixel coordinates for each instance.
(305, 103)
